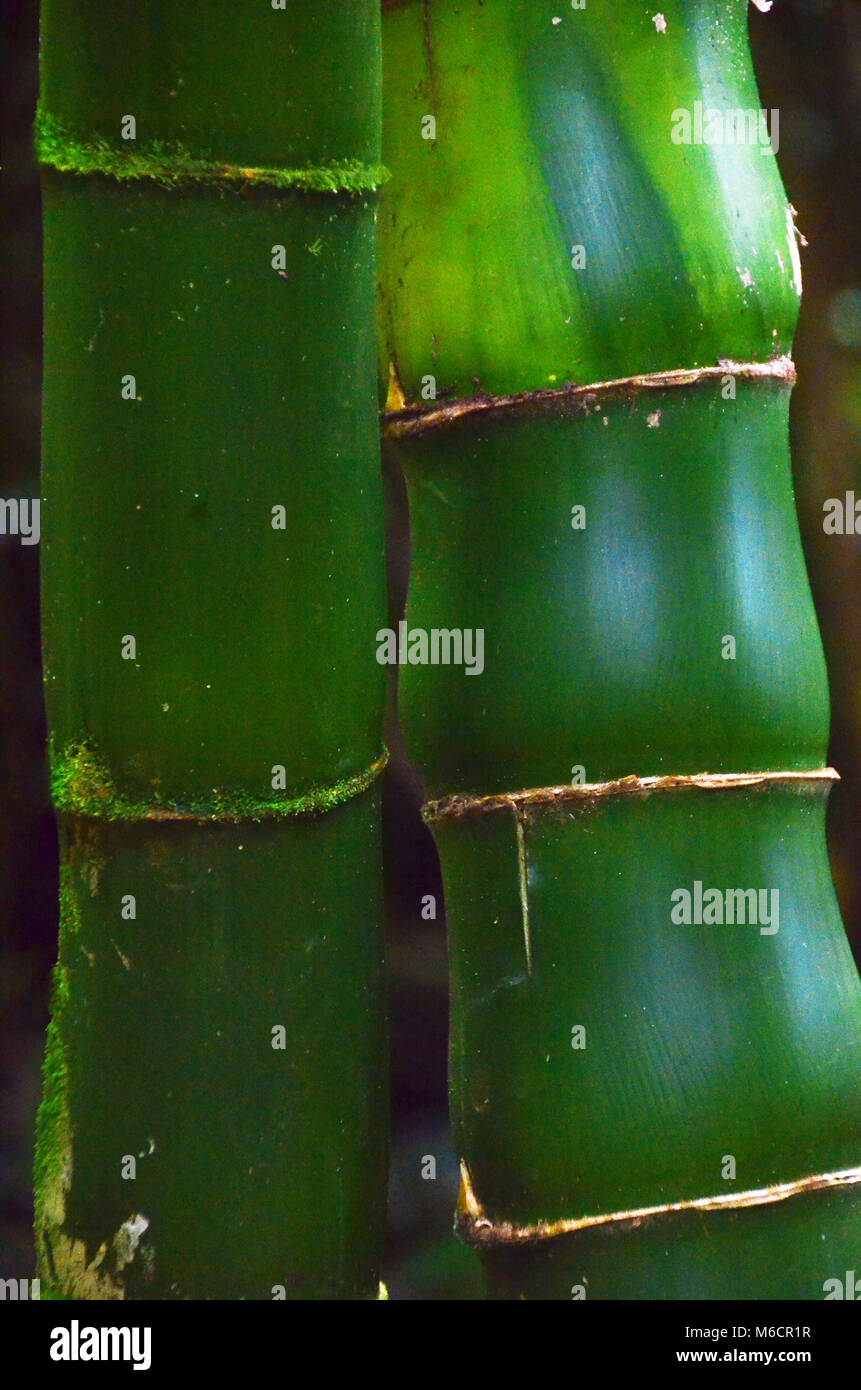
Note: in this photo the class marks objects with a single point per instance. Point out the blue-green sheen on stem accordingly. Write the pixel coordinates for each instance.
(571, 144)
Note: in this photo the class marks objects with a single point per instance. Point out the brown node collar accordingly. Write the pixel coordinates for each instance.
(458, 805)
(477, 1229)
(407, 419)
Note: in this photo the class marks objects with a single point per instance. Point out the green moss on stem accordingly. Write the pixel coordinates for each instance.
(82, 785)
(53, 1139)
(171, 164)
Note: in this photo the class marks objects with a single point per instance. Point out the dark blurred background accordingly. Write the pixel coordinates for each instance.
(808, 60)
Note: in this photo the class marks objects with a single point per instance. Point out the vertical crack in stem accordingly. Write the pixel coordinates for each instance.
(522, 866)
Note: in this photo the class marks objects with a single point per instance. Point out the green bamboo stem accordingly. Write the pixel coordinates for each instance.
(643, 1107)
(214, 1116)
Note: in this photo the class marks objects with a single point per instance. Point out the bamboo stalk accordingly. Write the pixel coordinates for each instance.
(214, 1116)
(587, 325)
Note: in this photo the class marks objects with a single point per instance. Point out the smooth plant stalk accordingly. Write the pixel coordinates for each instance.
(586, 314)
(215, 1107)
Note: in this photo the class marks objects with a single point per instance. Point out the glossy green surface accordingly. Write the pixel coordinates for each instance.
(252, 689)
(670, 630)
(701, 1040)
(604, 646)
(552, 135)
